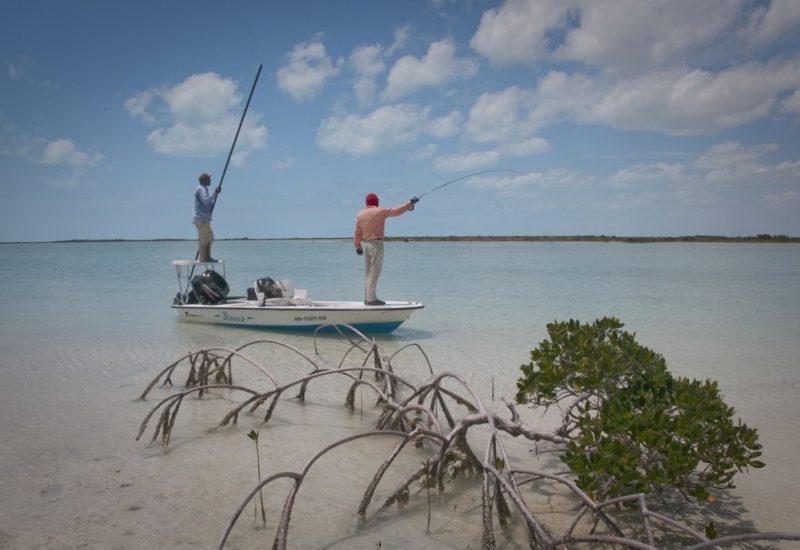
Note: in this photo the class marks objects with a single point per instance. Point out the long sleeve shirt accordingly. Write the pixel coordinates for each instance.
(203, 203)
(371, 220)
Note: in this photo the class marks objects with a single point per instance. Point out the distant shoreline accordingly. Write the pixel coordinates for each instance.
(765, 238)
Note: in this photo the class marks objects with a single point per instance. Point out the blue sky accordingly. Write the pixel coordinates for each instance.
(626, 117)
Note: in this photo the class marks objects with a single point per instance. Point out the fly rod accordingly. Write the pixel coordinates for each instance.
(445, 184)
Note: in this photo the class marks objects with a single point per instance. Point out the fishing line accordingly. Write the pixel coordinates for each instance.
(445, 184)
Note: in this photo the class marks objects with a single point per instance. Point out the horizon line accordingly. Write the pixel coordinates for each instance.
(764, 237)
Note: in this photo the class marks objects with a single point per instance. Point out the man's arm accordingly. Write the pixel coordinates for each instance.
(204, 197)
(357, 235)
(397, 210)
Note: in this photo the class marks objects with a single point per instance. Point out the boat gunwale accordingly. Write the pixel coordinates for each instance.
(329, 306)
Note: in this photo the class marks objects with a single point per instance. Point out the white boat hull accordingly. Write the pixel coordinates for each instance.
(206, 303)
(249, 313)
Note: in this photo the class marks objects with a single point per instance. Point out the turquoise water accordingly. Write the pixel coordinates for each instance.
(717, 310)
(85, 323)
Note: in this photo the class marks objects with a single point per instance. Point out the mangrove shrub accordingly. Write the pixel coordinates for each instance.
(632, 426)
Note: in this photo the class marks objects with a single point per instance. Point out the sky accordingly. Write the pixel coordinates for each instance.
(579, 117)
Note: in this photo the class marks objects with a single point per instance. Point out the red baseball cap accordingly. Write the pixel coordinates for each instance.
(372, 199)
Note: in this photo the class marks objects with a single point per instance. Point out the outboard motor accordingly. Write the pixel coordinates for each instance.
(210, 287)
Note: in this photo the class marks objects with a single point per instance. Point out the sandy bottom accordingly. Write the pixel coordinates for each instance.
(72, 474)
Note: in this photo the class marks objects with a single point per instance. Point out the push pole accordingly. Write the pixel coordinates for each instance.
(233, 145)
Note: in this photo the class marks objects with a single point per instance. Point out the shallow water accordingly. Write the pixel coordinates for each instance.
(87, 326)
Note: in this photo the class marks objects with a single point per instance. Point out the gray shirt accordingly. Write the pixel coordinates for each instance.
(203, 202)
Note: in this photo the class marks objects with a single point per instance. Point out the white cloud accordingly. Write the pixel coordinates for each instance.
(139, 106)
(626, 201)
(283, 164)
(58, 153)
(62, 152)
(645, 51)
(730, 163)
(516, 32)
(199, 117)
(68, 182)
(21, 68)
(754, 173)
(780, 200)
(648, 174)
(636, 35)
(466, 161)
(446, 126)
(18, 146)
(382, 129)
(367, 63)
(202, 98)
(626, 35)
(189, 140)
(15, 72)
(501, 116)
(505, 118)
(306, 69)
(791, 104)
(672, 102)
(401, 35)
(439, 66)
(425, 153)
(724, 155)
(770, 22)
(530, 146)
(524, 184)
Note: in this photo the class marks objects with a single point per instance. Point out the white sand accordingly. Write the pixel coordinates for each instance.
(72, 476)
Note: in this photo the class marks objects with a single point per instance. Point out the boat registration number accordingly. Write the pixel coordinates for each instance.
(302, 318)
(233, 318)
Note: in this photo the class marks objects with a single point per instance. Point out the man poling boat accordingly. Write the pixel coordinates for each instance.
(204, 203)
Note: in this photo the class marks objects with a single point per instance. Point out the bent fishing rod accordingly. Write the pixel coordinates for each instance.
(462, 178)
(236, 137)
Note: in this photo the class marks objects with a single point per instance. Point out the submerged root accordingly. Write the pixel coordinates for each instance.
(437, 419)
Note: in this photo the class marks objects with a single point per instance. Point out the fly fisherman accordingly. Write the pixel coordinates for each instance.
(368, 240)
(203, 205)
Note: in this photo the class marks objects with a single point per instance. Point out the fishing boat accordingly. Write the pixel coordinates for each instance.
(273, 304)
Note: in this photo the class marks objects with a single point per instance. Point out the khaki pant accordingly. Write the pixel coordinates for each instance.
(204, 239)
(373, 263)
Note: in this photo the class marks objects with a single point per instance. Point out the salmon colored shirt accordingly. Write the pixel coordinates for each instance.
(371, 220)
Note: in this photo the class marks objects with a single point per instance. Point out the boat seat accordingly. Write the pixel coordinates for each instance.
(288, 294)
(286, 286)
(298, 296)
